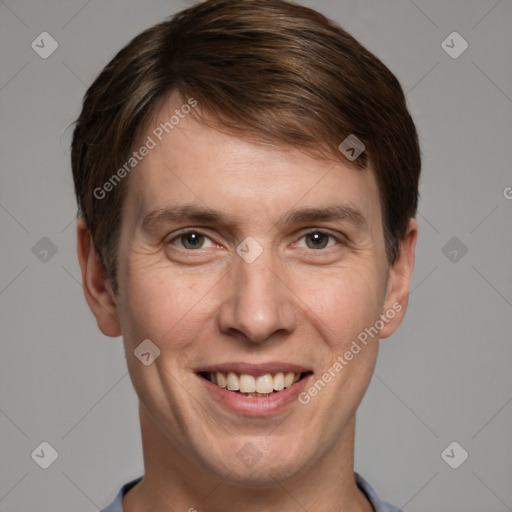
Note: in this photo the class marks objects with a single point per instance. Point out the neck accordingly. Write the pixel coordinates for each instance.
(174, 481)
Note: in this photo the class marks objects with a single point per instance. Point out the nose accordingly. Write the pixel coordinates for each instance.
(259, 304)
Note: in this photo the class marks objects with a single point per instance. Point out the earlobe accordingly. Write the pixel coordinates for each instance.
(399, 280)
(97, 289)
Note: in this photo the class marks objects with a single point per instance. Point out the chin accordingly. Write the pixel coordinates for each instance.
(256, 461)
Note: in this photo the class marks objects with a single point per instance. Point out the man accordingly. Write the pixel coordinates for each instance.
(247, 179)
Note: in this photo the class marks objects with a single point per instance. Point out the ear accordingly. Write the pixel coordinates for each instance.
(96, 284)
(399, 280)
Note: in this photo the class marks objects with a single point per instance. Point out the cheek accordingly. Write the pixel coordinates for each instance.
(346, 301)
(162, 305)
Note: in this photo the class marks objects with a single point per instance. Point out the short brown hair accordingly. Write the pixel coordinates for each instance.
(266, 68)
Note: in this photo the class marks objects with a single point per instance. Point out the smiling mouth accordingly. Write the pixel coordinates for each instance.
(254, 386)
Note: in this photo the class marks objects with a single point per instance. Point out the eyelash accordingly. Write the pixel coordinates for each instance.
(337, 239)
(340, 239)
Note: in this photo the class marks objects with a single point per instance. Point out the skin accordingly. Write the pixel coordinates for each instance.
(204, 306)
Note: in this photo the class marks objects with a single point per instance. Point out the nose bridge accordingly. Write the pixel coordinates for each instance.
(259, 303)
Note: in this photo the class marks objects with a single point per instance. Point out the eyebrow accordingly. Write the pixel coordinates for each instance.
(183, 212)
(346, 214)
(194, 213)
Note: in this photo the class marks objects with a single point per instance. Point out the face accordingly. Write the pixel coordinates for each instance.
(252, 266)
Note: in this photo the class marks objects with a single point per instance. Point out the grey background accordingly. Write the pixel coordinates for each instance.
(444, 376)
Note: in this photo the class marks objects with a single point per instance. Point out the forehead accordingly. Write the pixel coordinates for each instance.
(191, 162)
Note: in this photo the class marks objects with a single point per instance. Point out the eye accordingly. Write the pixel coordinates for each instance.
(192, 240)
(317, 240)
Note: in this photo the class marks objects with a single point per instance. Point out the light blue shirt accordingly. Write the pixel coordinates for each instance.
(378, 505)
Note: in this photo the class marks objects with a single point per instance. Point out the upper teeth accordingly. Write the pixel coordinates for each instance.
(245, 383)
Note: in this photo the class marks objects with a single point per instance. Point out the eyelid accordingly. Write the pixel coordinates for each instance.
(326, 231)
(339, 237)
(177, 234)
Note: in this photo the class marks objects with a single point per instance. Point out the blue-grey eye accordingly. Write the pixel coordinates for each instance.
(317, 240)
(192, 240)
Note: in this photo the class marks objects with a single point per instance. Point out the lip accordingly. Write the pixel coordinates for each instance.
(254, 369)
(255, 406)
